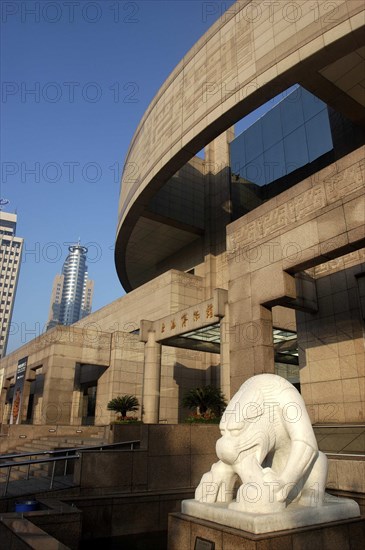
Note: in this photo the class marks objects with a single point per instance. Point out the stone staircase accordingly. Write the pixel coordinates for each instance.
(42, 444)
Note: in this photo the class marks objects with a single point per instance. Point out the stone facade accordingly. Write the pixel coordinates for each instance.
(312, 223)
(295, 263)
(105, 339)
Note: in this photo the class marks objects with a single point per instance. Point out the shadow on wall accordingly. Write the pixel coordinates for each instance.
(339, 318)
(190, 205)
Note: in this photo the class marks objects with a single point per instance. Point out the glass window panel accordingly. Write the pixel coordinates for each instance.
(253, 141)
(255, 171)
(319, 139)
(238, 157)
(291, 112)
(271, 128)
(274, 162)
(295, 147)
(312, 105)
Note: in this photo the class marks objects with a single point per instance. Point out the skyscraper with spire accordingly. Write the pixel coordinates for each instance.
(10, 258)
(72, 291)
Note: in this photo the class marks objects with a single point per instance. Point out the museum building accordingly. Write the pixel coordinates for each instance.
(246, 259)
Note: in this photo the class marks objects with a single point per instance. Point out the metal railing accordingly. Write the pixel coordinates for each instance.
(55, 457)
(10, 465)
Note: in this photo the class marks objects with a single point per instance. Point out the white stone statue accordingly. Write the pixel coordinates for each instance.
(268, 447)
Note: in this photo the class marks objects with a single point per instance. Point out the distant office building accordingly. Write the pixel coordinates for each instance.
(10, 257)
(72, 291)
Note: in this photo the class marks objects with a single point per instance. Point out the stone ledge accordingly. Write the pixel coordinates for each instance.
(346, 534)
(292, 517)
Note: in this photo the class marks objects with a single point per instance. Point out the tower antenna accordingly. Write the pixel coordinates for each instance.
(3, 202)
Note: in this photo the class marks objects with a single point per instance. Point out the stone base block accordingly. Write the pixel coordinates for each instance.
(293, 516)
(189, 533)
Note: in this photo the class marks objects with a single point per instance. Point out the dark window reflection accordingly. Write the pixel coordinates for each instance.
(293, 134)
(271, 129)
(295, 149)
(318, 131)
(291, 112)
(253, 141)
(275, 162)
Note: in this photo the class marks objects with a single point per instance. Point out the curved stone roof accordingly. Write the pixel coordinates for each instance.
(252, 53)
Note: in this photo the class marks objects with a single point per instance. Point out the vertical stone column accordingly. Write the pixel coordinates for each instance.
(25, 401)
(4, 407)
(2, 404)
(76, 408)
(58, 387)
(151, 379)
(217, 209)
(251, 344)
(257, 283)
(225, 374)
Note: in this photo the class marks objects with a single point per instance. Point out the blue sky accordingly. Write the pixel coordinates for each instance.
(77, 77)
(93, 67)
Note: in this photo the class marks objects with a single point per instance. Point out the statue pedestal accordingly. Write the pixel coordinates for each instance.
(295, 515)
(191, 533)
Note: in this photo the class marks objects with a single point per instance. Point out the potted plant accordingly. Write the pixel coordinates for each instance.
(122, 405)
(209, 403)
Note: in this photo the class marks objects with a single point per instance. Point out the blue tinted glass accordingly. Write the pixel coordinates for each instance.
(237, 151)
(255, 171)
(295, 96)
(311, 104)
(262, 154)
(271, 128)
(253, 141)
(319, 139)
(295, 147)
(291, 112)
(274, 160)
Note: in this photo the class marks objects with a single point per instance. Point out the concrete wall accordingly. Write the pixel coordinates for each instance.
(171, 457)
(331, 344)
(105, 339)
(241, 62)
(318, 220)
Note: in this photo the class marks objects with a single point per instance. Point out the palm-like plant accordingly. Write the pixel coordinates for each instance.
(123, 404)
(205, 399)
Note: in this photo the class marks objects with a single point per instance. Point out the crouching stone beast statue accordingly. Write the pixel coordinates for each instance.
(269, 448)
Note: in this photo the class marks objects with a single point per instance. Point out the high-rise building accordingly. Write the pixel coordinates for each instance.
(72, 291)
(10, 257)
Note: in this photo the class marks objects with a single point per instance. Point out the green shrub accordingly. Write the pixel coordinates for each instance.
(206, 399)
(124, 404)
(207, 418)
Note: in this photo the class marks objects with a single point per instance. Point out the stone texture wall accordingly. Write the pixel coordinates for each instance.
(106, 338)
(331, 345)
(320, 219)
(171, 457)
(256, 51)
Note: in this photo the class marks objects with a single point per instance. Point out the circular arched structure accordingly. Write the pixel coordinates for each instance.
(252, 53)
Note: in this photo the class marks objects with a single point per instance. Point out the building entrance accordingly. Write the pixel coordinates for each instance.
(86, 385)
(89, 405)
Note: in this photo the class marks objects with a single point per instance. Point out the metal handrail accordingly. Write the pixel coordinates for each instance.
(28, 463)
(65, 456)
(70, 449)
